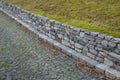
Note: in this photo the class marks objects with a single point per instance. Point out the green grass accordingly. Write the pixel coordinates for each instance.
(97, 15)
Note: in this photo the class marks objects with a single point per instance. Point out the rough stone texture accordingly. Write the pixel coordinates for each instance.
(91, 55)
(101, 60)
(93, 51)
(118, 46)
(78, 39)
(78, 46)
(104, 53)
(114, 55)
(108, 62)
(23, 57)
(113, 74)
(101, 67)
(111, 44)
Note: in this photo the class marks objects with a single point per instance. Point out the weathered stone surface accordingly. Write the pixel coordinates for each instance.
(82, 34)
(103, 53)
(108, 62)
(117, 67)
(104, 43)
(66, 43)
(78, 50)
(78, 46)
(100, 59)
(101, 67)
(101, 56)
(108, 37)
(114, 55)
(83, 43)
(67, 39)
(92, 43)
(87, 32)
(111, 44)
(90, 46)
(85, 50)
(116, 40)
(94, 34)
(102, 36)
(118, 46)
(93, 51)
(91, 55)
(117, 51)
(60, 36)
(112, 73)
(70, 35)
(99, 46)
(91, 62)
(89, 37)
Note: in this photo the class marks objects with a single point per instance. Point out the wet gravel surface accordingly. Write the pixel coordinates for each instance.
(24, 58)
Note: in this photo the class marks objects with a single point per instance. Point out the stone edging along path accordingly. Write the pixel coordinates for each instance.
(97, 50)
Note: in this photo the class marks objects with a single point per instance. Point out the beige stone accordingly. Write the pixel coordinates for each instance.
(112, 73)
(103, 53)
(91, 55)
(108, 62)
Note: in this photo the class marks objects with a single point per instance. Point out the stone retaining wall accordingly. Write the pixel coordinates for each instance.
(103, 49)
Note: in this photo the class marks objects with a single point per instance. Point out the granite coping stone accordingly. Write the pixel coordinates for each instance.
(112, 73)
(102, 67)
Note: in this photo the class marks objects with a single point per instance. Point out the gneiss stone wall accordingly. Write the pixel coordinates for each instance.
(100, 47)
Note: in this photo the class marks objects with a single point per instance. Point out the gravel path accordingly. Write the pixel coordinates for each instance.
(24, 58)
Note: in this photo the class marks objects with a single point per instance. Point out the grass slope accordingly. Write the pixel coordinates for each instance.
(97, 15)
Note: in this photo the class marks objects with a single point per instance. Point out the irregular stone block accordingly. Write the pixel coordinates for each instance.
(104, 43)
(75, 39)
(60, 36)
(118, 46)
(99, 46)
(66, 43)
(108, 37)
(66, 39)
(87, 32)
(98, 40)
(114, 55)
(82, 34)
(102, 36)
(100, 59)
(117, 51)
(78, 46)
(112, 44)
(90, 46)
(78, 50)
(101, 56)
(82, 42)
(108, 62)
(101, 67)
(92, 43)
(93, 51)
(117, 67)
(90, 61)
(89, 37)
(116, 40)
(85, 50)
(91, 55)
(94, 34)
(98, 49)
(112, 73)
